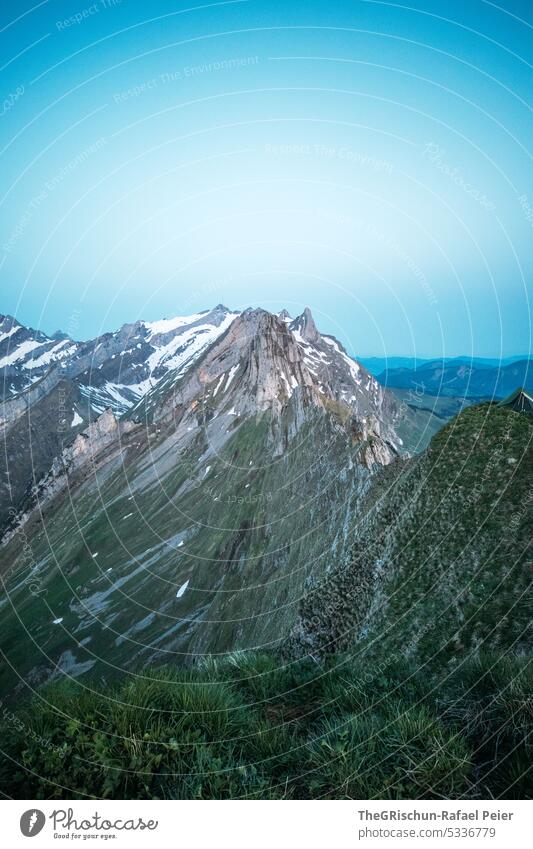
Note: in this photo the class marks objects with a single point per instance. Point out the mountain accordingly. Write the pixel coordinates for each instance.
(114, 370)
(379, 365)
(190, 523)
(26, 355)
(385, 629)
(245, 457)
(461, 378)
(440, 565)
(50, 398)
(133, 370)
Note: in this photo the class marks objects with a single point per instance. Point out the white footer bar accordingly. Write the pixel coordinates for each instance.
(268, 825)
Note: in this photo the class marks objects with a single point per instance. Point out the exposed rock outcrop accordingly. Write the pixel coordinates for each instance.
(87, 448)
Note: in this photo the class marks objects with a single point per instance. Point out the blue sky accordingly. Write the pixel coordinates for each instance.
(369, 159)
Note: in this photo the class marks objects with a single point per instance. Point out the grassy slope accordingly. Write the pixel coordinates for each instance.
(249, 727)
(241, 534)
(442, 564)
(416, 711)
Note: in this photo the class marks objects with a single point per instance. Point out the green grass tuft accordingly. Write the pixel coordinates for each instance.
(249, 726)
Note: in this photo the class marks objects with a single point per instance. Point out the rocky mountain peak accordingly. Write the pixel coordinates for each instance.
(305, 326)
(255, 365)
(60, 336)
(8, 319)
(275, 363)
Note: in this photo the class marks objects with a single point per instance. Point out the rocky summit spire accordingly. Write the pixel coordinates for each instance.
(256, 365)
(305, 326)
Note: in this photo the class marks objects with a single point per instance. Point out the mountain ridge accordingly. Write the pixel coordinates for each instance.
(440, 563)
(134, 369)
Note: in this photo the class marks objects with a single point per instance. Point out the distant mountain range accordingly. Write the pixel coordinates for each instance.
(458, 377)
(116, 370)
(378, 365)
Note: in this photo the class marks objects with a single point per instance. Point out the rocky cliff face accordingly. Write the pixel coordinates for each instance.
(263, 364)
(190, 371)
(89, 444)
(347, 380)
(87, 451)
(257, 364)
(250, 363)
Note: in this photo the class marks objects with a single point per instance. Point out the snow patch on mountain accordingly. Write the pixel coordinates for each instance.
(186, 346)
(20, 352)
(57, 352)
(167, 349)
(232, 372)
(167, 325)
(219, 384)
(10, 332)
(182, 589)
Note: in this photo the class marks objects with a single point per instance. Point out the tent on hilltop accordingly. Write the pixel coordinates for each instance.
(519, 401)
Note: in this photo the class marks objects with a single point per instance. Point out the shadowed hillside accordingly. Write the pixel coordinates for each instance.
(441, 563)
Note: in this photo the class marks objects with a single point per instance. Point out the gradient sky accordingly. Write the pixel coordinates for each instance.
(369, 159)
